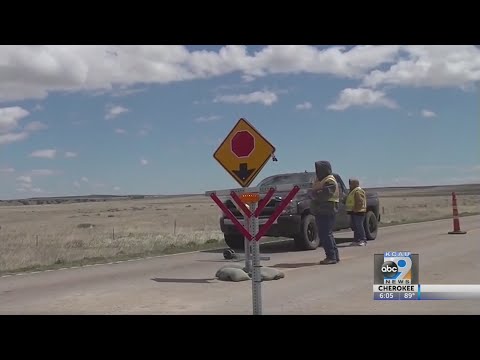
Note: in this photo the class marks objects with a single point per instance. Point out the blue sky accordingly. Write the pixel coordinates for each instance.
(78, 120)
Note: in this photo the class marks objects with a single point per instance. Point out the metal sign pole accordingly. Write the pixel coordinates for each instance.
(256, 275)
(248, 260)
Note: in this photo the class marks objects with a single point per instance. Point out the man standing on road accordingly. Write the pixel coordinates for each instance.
(324, 206)
(356, 206)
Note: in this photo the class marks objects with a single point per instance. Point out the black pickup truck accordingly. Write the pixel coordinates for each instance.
(296, 221)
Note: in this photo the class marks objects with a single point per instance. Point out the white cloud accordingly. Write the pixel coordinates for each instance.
(7, 170)
(248, 78)
(200, 102)
(114, 111)
(9, 121)
(431, 66)
(84, 179)
(48, 68)
(120, 131)
(295, 59)
(204, 119)
(42, 172)
(34, 71)
(69, 154)
(24, 179)
(12, 137)
(116, 188)
(145, 130)
(266, 98)
(304, 106)
(76, 184)
(45, 154)
(10, 117)
(120, 92)
(428, 113)
(361, 97)
(143, 162)
(25, 185)
(35, 126)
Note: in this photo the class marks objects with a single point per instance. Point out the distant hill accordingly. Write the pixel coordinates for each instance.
(83, 199)
(432, 190)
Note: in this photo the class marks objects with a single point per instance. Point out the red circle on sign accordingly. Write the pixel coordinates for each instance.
(242, 144)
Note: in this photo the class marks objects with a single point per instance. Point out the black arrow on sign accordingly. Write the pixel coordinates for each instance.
(243, 171)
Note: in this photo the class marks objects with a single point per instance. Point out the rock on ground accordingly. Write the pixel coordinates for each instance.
(236, 272)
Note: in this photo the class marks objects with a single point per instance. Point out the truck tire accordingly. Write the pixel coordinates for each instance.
(308, 238)
(371, 225)
(235, 242)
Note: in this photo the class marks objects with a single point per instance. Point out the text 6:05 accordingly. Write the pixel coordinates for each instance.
(386, 295)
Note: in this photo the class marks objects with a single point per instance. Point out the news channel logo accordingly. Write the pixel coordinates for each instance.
(396, 267)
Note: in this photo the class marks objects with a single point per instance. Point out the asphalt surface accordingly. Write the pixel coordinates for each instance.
(185, 284)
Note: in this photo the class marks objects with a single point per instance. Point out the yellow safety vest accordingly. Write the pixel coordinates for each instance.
(350, 202)
(336, 195)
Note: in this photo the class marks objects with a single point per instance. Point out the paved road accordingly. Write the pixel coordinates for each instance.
(185, 284)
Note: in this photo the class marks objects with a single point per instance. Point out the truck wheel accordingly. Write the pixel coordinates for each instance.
(229, 254)
(371, 225)
(308, 239)
(235, 242)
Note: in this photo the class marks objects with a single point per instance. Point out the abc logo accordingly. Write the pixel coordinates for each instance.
(389, 269)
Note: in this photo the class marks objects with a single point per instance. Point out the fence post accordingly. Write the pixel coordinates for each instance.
(175, 226)
(113, 233)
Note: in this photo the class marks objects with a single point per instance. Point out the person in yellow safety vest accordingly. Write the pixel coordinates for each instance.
(356, 206)
(324, 206)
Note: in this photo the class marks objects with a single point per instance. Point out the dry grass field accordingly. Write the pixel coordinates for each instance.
(59, 234)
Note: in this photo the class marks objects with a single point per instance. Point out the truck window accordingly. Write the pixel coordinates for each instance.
(287, 179)
(340, 182)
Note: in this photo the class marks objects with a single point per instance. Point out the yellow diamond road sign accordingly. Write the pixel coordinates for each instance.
(244, 153)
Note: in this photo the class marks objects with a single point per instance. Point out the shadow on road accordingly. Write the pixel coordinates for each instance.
(184, 281)
(281, 246)
(265, 247)
(342, 240)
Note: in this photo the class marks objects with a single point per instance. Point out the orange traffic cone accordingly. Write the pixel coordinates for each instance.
(456, 220)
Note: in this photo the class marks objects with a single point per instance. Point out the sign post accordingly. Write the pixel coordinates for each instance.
(256, 273)
(243, 154)
(253, 232)
(248, 259)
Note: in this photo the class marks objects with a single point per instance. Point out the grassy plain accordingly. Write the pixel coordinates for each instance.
(33, 236)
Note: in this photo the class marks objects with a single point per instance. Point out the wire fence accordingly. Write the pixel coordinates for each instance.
(39, 242)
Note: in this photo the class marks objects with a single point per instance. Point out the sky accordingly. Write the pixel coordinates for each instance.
(146, 119)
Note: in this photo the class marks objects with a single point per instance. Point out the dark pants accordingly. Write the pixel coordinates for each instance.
(325, 225)
(358, 227)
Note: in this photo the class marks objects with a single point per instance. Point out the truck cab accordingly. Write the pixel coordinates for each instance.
(296, 221)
